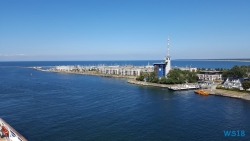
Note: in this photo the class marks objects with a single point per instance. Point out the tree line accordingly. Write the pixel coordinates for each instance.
(210, 69)
(237, 72)
(173, 77)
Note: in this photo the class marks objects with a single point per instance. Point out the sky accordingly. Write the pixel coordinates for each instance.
(54, 30)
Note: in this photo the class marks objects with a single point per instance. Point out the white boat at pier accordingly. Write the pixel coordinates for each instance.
(184, 87)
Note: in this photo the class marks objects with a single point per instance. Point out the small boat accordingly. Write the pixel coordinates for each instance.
(8, 133)
(201, 92)
(184, 87)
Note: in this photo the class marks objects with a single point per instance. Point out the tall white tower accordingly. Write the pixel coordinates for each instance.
(167, 59)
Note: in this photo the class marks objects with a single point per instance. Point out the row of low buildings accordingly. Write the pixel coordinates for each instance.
(161, 69)
(227, 83)
(125, 70)
(210, 75)
(118, 70)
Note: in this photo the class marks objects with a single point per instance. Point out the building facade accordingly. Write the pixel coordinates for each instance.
(210, 75)
(162, 69)
(117, 70)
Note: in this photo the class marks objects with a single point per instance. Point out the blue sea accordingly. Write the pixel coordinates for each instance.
(48, 106)
(179, 63)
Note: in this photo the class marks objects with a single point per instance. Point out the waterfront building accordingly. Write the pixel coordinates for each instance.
(110, 70)
(234, 83)
(125, 70)
(185, 68)
(162, 69)
(168, 65)
(210, 75)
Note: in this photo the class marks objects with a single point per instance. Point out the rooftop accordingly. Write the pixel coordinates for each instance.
(162, 63)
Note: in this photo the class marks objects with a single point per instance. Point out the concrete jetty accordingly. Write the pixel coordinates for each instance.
(143, 83)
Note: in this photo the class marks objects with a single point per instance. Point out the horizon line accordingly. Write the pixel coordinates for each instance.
(242, 59)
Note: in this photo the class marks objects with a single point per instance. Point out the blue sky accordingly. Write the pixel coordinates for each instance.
(34, 30)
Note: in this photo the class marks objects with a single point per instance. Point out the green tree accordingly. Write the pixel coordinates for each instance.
(175, 74)
(198, 71)
(163, 80)
(152, 77)
(226, 74)
(246, 85)
(173, 77)
(140, 77)
(244, 68)
(171, 81)
(192, 77)
(235, 72)
(176, 77)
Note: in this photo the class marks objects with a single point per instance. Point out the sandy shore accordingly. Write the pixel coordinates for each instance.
(232, 94)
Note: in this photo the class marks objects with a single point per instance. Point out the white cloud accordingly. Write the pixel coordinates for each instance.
(11, 55)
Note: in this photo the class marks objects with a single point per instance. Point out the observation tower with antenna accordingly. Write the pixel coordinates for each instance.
(163, 68)
(167, 59)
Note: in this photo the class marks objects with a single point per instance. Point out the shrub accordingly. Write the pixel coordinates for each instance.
(140, 77)
(246, 85)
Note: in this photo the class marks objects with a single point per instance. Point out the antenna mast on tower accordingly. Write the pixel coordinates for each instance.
(168, 46)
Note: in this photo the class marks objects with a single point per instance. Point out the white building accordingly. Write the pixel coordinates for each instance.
(210, 75)
(118, 70)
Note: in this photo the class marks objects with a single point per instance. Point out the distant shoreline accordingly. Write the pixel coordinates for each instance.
(131, 80)
(232, 60)
(211, 60)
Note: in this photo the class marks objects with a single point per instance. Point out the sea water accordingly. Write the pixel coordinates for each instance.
(70, 107)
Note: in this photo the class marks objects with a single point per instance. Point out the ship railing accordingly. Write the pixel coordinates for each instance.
(12, 132)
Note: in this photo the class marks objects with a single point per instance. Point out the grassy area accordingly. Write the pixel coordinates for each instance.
(232, 89)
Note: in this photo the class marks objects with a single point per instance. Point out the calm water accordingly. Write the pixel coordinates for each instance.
(68, 107)
(179, 63)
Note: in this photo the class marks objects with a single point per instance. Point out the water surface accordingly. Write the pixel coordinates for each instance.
(70, 107)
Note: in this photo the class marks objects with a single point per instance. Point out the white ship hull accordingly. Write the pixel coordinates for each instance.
(8, 133)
